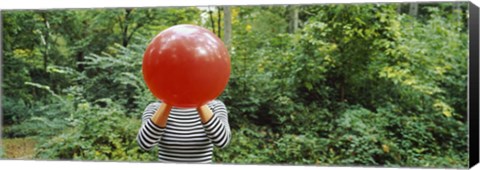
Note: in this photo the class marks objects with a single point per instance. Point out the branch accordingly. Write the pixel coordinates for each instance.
(133, 32)
(120, 22)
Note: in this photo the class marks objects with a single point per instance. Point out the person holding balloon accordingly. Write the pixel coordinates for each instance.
(186, 67)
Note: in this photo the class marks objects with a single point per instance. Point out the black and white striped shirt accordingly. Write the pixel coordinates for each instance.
(185, 138)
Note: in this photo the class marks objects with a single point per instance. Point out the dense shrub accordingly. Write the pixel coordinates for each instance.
(119, 72)
(342, 104)
(14, 110)
(97, 134)
(357, 137)
(40, 118)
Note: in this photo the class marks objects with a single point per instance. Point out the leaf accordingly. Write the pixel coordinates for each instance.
(443, 107)
(248, 28)
(359, 21)
(308, 85)
(447, 113)
(385, 148)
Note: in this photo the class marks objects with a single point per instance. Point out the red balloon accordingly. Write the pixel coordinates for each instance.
(186, 66)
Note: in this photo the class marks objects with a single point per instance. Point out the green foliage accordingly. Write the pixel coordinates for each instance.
(97, 133)
(69, 126)
(120, 76)
(359, 137)
(333, 99)
(43, 118)
(14, 110)
(423, 71)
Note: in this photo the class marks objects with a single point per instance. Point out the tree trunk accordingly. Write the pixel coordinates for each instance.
(293, 19)
(399, 8)
(80, 58)
(342, 90)
(45, 40)
(212, 21)
(125, 27)
(219, 23)
(227, 26)
(413, 9)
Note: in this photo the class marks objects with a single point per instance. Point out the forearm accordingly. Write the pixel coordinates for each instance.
(152, 130)
(161, 115)
(205, 113)
(216, 124)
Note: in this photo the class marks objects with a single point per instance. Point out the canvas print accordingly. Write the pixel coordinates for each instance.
(371, 84)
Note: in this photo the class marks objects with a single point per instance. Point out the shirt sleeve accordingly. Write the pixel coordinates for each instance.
(217, 128)
(150, 133)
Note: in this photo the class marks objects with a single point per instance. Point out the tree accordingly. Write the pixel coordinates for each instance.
(134, 19)
(293, 18)
(212, 21)
(219, 22)
(227, 22)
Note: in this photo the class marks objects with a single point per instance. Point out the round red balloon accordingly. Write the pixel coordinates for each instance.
(186, 66)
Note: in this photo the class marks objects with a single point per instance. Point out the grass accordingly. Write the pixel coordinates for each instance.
(18, 148)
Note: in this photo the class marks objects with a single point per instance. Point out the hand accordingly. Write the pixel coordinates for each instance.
(160, 117)
(205, 113)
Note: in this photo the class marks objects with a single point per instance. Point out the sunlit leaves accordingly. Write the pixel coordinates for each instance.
(444, 108)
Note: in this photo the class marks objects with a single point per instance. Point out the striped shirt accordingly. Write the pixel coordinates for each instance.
(185, 138)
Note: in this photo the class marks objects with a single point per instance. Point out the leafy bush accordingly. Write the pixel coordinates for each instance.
(14, 110)
(41, 118)
(97, 134)
(119, 72)
(357, 137)
(338, 103)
